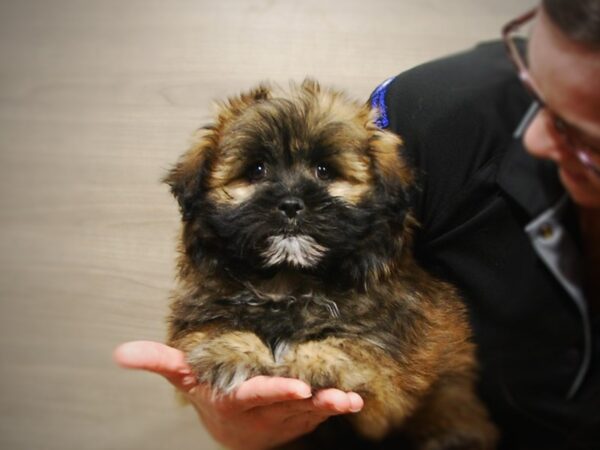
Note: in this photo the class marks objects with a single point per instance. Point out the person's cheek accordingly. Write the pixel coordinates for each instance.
(540, 140)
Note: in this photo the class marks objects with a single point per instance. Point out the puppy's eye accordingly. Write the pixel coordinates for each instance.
(324, 172)
(257, 171)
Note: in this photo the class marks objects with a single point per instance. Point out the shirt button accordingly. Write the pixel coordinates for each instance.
(546, 231)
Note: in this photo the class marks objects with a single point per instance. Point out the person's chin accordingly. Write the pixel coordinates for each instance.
(581, 188)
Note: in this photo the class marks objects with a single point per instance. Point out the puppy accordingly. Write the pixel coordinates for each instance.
(295, 261)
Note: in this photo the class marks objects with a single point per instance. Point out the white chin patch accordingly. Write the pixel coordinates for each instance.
(298, 251)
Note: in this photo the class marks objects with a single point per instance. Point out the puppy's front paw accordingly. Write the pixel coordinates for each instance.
(227, 360)
(325, 364)
(357, 367)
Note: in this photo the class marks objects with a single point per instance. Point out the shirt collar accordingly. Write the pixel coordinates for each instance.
(532, 182)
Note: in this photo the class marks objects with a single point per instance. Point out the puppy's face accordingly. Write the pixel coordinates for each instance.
(297, 179)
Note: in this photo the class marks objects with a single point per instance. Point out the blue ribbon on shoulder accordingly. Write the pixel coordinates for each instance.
(378, 103)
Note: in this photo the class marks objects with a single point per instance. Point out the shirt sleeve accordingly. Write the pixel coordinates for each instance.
(456, 116)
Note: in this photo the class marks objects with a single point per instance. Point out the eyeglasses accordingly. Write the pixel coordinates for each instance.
(512, 34)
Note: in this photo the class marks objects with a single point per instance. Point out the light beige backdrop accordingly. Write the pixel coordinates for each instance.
(97, 99)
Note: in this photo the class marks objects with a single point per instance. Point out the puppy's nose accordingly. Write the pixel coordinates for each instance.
(291, 206)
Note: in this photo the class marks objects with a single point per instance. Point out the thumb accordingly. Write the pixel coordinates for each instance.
(157, 358)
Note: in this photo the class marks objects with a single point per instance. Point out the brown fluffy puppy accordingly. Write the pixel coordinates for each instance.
(295, 261)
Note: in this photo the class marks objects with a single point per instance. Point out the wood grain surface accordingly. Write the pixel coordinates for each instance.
(97, 99)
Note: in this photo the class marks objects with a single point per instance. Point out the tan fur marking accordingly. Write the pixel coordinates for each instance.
(350, 192)
(233, 193)
(355, 167)
(223, 170)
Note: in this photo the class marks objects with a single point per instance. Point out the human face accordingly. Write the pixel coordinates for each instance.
(565, 76)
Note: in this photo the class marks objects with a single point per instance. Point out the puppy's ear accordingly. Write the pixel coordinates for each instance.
(187, 178)
(234, 106)
(386, 148)
(395, 176)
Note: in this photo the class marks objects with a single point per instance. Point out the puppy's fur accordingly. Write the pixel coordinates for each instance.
(295, 261)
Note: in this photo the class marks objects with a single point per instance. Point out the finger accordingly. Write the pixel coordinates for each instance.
(263, 391)
(285, 410)
(323, 404)
(158, 358)
(273, 409)
(335, 401)
(151, 356)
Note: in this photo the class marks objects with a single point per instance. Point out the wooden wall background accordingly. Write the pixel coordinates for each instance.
(97, 99)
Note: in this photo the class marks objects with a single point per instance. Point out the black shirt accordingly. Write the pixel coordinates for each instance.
(477, 190)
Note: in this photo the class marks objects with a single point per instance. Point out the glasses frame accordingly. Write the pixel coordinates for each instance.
(581, 150)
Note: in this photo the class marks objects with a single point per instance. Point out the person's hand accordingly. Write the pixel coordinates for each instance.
(263, 412)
